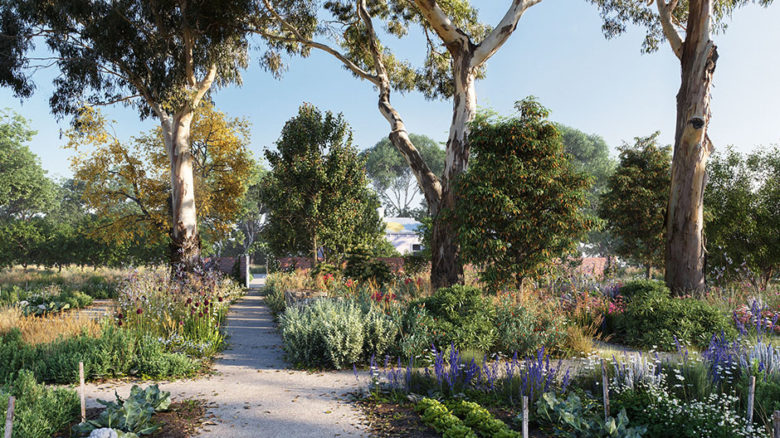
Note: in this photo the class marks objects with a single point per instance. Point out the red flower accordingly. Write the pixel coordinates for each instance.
(206, 302)
(219, 298)
(407, 281)
(197, 304)
(189, 300)
(119, 315)
(200, 314)
(119, 323)
(139, 311)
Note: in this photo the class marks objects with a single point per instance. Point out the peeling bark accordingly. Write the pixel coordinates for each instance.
(685, 251)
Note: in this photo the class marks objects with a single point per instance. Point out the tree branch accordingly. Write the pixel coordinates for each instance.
(442, 24)
(665, 14)
(501, 33)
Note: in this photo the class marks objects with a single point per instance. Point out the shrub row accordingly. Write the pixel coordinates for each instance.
(39, 412)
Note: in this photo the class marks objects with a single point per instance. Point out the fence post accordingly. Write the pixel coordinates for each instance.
(83, 395)
(751, 399)
(525, 416)
(605, 384)
(9, 417)
(776, 421)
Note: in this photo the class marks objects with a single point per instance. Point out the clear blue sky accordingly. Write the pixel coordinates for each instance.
(557, 54)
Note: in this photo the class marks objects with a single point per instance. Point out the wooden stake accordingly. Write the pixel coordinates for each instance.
(751, 399)
(83, 396)
(525, 416)
(776, 421)
(9, 417)
(605, 384)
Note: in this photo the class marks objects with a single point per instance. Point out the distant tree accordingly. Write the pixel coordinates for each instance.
(634, 205)
(128, 184)
(687, 26)
(521, 200)
(590, 155)
(742, 207)
(162, 58)
(316, 191)
(24, 188)
(391, 176)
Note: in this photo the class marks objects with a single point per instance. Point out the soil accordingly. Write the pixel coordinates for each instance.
(181, 420)
(394, 420)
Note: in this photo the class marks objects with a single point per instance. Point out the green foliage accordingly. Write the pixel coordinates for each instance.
(525, 329)
(363, 267)
(335, 334)
(317, 190)
(133, 414)
(654, 319)
(742, 208)
(522, 199)
(39, 412)
(643, 287)
(415, 263)
(115, 353)
(481, 420)
(463, 317)
(383, 248)
(634, 205)
(436, 415)
(417, 330)
(393, 178)
(275, 301)
(575, 417)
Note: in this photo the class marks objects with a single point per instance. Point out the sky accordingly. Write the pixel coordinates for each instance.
(557, 53)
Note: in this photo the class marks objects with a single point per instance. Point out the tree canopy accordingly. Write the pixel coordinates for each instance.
(634, 205)
(521, 198)
(317, 190)
(391, 176)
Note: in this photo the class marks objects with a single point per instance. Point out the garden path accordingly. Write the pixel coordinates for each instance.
(252, 392)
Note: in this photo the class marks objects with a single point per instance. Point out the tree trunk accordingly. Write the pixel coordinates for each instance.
(314, 251)
(648, 268)
(446, 266)
(185, 242)
(684, 221)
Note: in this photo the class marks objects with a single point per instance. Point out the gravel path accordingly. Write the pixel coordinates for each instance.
(253, 394)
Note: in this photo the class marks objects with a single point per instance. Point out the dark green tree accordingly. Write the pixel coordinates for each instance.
(521, 201)
(317, 193)
(161, 58)
(742, 211)
(24, 188)
(391, 176)
(634, 205)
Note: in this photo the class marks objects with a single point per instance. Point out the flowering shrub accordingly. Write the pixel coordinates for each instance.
(526, 329)
(185, 310)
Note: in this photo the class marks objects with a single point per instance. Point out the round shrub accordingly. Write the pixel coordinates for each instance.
(525, 330)
(643, 287)
(654, 320)
(462, 317)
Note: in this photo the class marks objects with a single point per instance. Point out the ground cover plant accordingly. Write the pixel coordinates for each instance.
(132, 416)
(39, 411)
(99, 283)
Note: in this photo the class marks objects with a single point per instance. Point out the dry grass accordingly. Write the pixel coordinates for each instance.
(46, 329)
(72, 276)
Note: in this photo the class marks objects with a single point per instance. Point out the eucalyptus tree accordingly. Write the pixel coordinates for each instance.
(687, 26)
(457, 47)
(160, 57)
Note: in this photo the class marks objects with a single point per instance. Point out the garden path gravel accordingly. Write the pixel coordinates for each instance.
(253, 393)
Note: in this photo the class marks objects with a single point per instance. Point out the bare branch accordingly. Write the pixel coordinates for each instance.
(442, 24)
(665, 14)
(501, 33)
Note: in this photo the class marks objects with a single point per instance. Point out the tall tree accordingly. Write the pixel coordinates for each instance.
(634, 204)
(24, 188)
(129, 185)
(687, 26)
(161, 58)
(451, 67)
(742, 206)
(317, 192)
(525, 198)
(391, 176)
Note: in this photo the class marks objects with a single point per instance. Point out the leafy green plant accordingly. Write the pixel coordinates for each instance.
(463, 317)
(524, 329)
(575, 417)
(481, 420)
(653, 318)
(643, 287)
(275, 301)
(436, 415)
(133, 414)
(39, 411)
(362, 266)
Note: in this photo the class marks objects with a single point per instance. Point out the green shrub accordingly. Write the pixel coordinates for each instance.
(39, 411)
(324, 269)
(335, 333)
(653, 319)
(643, 287)
(525, 330)
(415, 263)
(416, 331)
(463, 317)
(132, 415)
(363, 267)
(437, 416)
(115, 353)
(275, 301)
(99, 288)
